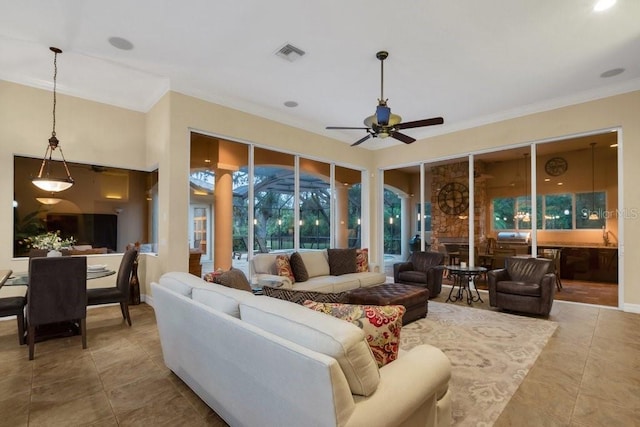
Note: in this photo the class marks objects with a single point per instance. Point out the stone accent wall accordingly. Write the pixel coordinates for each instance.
(454, 228)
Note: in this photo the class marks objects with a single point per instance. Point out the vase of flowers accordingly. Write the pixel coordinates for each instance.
(50, 241)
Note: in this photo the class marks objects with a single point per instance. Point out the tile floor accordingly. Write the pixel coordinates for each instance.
(587, 375)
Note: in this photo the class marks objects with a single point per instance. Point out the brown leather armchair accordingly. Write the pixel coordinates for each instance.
(421, 269)
(524, 285)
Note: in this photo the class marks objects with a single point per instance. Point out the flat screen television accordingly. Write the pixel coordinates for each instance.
(97, 230)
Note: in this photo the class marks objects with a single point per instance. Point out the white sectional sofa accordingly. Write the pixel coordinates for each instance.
(320, 278)
(262, 361)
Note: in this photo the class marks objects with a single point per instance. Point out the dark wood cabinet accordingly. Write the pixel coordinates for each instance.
(591, 264)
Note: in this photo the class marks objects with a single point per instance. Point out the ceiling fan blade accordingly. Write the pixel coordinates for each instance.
(402, 137)
(343, 127)
(361, 140)
(421, 123)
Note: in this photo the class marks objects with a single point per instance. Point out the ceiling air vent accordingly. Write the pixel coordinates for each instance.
(289, 52)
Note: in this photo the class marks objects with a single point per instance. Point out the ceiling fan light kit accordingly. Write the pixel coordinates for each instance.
(385, 124)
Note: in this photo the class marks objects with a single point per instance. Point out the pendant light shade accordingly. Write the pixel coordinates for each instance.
(45, 180)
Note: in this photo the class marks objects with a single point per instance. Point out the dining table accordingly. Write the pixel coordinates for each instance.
(14, 281)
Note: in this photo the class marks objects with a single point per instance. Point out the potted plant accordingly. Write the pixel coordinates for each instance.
(50, 241)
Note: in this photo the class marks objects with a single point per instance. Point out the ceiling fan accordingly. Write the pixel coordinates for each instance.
(384, 124)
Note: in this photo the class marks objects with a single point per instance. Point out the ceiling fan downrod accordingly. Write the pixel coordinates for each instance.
(382, 55)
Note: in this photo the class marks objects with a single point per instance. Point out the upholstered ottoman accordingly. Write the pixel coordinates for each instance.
(414, 298)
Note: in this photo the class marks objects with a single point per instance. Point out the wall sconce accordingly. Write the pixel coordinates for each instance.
(44, 181)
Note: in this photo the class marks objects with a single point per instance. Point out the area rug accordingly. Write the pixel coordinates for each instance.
(490, 352)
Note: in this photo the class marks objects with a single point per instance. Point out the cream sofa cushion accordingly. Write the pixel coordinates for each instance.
(181, 282)
(336, 338)
(221, 298)
(265, 264)
(316, 262)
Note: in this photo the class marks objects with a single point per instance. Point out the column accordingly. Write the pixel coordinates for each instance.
(223, 219)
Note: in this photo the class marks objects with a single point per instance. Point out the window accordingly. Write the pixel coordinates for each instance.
(555, 212)
(427, 217)
(588, 203)
(558, 212)
(392, 230)
(107, 208)
(504, 211)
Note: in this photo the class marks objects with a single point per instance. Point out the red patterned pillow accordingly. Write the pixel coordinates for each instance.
(284, 267)
(362, 260)
(381, 325)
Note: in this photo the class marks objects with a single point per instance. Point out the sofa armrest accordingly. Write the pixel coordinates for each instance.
(401, 266)
(548, 290)
(434, 278)
(493, 277)
(274, 281)
(374, 268)
(420, 376)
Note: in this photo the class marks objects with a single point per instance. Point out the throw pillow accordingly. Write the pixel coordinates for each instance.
(381, 325)
(299, 297)
(362, 260)
(233, 278)
(298, 267)
(284, 267)
(341, 261)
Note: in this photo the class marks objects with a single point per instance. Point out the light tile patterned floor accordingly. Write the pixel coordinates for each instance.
(587, 375)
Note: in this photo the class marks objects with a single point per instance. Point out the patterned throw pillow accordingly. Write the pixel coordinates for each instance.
(341, 261)
(362, 260)
(300, 297)
(233, 278)
(381, 325)
(284, 267)
(298, 267)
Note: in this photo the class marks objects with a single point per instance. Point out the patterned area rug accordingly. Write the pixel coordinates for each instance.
(491, 354)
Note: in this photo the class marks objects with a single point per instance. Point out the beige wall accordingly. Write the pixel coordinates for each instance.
(617, 111)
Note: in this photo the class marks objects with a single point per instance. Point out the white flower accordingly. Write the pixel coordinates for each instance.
(50, 240)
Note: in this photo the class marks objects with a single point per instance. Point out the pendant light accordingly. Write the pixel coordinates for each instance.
(523, 214)
(593, 215)
(44, 180)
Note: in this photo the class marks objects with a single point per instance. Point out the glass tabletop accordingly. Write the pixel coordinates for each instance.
(22, 278)
(466, 269)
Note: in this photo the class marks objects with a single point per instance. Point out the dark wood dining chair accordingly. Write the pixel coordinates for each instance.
(12, 302)
(57, 293)
(120, 292)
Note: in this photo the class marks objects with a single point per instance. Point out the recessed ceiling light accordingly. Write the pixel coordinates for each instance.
(613, 145)
(547, 179)
(612, 72)
(561, 183)
(602, 5)
(291, 104)
(120, 43)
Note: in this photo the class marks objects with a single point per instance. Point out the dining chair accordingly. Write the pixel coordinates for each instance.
(554, 255)
(120, 292)
(12, 302)
(57, 293)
